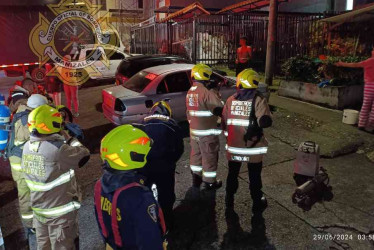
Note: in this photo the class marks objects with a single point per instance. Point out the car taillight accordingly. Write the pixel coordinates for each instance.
(108, 99)
(119, 105)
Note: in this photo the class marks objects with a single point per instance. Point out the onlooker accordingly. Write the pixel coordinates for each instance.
(244, 54)
(366, 121)
(52, 86)
(71, 91)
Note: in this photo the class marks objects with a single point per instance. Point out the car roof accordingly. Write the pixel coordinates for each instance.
(163, 69)
(142, 58)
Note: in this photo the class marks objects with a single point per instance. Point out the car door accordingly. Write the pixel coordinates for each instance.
(174, 87)
(98, 64)
(227, 87)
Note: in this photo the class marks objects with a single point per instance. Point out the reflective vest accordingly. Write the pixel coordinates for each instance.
(52, 184)
(200, 104)
(235, 122)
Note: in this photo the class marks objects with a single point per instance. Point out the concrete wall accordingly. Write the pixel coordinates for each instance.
(332, 97)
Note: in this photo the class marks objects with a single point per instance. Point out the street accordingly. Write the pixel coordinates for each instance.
(201, 222)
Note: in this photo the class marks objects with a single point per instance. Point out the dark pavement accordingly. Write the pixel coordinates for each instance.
(202, 222)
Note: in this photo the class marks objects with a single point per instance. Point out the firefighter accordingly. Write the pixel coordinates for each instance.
(244, 117)
(17, 97)
(203, 105)
(18, 137)
(49, 160)
(126, 211)
(161, 161)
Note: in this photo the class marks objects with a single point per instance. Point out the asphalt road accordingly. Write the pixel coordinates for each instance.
(202, 222)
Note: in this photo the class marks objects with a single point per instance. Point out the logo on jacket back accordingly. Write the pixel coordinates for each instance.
(241, 108)
(193, 100)
(106, 206)
(33, 165)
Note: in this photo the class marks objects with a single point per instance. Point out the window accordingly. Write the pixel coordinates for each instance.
(117, 56)
(179, 60)
(140, 4)
(90, 53)
(349, 5)
(173, 83)
(138, 82)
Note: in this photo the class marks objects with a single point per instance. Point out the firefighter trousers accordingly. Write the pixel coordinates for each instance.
(255, 181)
(204, 157)
(57, 234)
(23, 192)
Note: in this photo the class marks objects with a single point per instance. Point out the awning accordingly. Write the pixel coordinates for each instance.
(187, 12)
(359, 15)
(247, 6)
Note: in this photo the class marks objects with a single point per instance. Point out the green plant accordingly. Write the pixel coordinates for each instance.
(301, 68)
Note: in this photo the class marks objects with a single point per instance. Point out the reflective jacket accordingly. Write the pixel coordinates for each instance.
(235, 123)
(49, 163)
(136, 224)
(19, 136)
(201, 103)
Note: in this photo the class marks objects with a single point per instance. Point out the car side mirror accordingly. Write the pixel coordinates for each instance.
(148, 104)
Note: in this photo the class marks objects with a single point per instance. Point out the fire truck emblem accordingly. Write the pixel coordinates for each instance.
(61, 40)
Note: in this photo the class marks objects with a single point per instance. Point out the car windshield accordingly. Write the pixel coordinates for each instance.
(138, 82)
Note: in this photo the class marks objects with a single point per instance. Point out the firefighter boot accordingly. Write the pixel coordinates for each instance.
(259, 206)
(196, 181)
(213, 186)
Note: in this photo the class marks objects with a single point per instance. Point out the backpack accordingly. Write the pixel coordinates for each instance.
(11, 149)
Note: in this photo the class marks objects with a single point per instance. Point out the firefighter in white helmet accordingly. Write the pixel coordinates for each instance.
(244, 116)
(203, 105)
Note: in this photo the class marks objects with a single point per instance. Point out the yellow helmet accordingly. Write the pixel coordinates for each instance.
(45, 120)
(162, 108)
(201, 72)
(247, 79)
(125, 147)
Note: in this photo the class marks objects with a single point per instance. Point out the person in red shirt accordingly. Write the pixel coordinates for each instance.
(243, 55)
(366, 120)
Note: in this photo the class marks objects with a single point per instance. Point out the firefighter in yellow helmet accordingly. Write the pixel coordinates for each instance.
(162, 159)
(203, 107)
(126, 211)
(244, 117)
(48, 161)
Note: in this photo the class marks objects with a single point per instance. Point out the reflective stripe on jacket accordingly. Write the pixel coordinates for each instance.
(48, 164)
(200, 104)
(235, 122)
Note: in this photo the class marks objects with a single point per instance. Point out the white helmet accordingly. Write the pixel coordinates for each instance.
(36, 100)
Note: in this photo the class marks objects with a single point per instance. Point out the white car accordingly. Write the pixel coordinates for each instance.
(107, 71)
(130, 102)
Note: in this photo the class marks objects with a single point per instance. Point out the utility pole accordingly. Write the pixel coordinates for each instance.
(272, 38)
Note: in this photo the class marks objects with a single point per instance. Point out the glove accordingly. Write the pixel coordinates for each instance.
(75, 130)
(253, 131)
